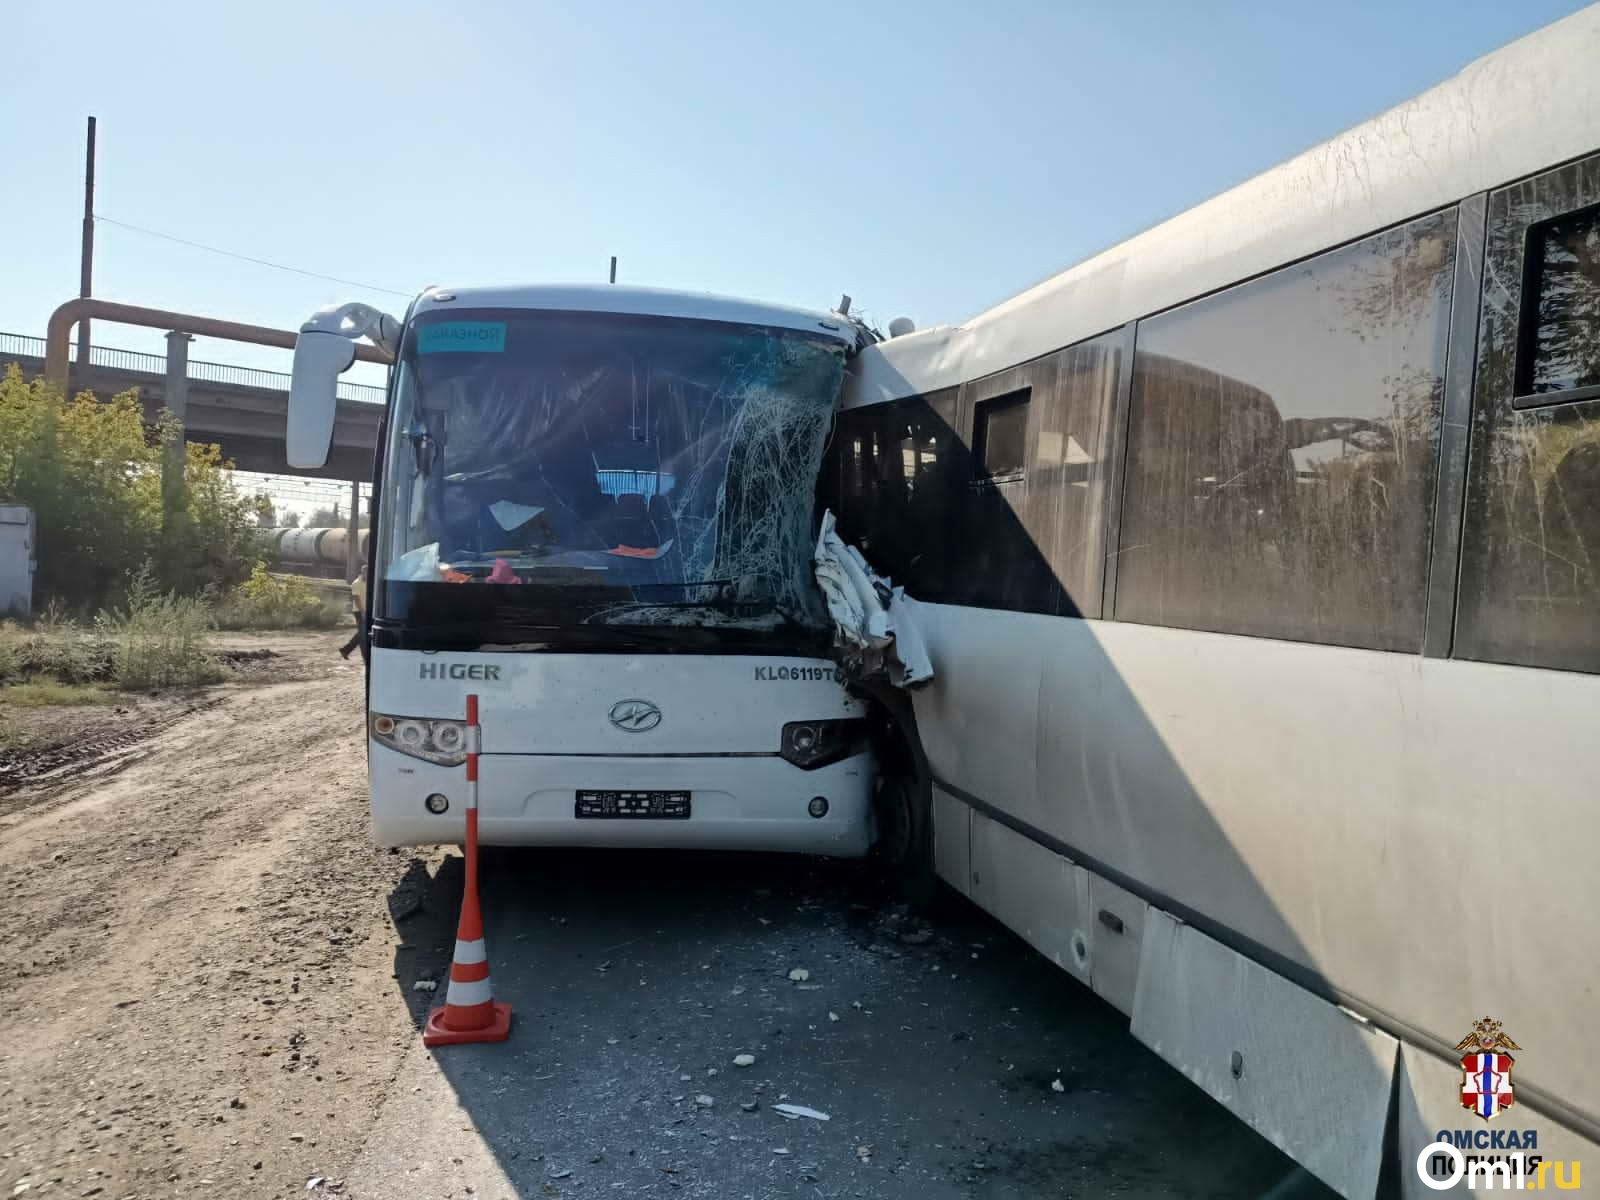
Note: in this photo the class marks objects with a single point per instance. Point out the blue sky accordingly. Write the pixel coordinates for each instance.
(929, 158)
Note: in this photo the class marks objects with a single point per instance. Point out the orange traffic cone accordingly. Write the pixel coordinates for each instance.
(469, 1012)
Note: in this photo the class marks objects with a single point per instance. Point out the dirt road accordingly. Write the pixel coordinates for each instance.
(195, 950)
(210, 993)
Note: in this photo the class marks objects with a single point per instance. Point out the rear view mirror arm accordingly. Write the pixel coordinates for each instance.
(324, 349)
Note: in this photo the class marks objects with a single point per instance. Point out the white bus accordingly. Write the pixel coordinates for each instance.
(1258, 558)
(595, 512)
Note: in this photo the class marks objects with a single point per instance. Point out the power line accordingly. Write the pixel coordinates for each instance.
(155, 233)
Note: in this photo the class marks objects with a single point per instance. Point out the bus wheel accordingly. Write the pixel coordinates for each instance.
(903, 808)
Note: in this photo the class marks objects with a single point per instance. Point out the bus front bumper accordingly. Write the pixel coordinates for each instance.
(737, 802)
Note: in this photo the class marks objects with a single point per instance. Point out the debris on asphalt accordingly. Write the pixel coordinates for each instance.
(799, 975)
(425, 985)
(833, 1016)
(883, 951)
(1057, 1086)
(565, 1173)
(744, 1060)
(795, 1111)
(704, 1101)
(750, 1105)
(314, 1183)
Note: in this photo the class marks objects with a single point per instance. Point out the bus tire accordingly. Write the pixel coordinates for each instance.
(902, 801)
(905, 835)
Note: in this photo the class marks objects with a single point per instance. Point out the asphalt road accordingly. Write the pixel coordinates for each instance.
(934, 1049)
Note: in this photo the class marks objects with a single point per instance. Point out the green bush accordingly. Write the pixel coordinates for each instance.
(92, 474)
(57, 650)
(160, 638)
(268, 601)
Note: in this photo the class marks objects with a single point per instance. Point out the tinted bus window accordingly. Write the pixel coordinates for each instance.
(991, 495)
(1001, 435)
(1562, 347)
(1530, 547)
(894, 476)
(1283, 444)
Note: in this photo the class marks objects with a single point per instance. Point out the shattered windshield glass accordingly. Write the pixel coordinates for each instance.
(603, 470)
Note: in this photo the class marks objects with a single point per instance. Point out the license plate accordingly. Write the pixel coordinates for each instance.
(658, 806)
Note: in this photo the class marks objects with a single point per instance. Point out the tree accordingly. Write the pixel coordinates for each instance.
(91, 472)
(266, 517)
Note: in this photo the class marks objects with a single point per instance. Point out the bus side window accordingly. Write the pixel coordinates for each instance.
(1558, 350)
(1000, 436)
(1529, 589)
(1033, 501)
(1283, 444)
(891, 480)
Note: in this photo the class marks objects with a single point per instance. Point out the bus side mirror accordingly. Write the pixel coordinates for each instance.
(319, 360)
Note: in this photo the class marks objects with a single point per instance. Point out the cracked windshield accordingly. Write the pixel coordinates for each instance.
(623, 471)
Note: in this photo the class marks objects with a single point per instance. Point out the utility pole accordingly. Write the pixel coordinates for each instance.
(175, 399)
(613, 268)
(86, 255)
(352, 561)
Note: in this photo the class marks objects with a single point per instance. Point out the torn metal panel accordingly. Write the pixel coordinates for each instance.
(875, 629)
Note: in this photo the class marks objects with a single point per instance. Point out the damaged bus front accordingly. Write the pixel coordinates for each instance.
(595, 514)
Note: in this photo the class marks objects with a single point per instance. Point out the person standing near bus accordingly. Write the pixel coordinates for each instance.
(358, 605)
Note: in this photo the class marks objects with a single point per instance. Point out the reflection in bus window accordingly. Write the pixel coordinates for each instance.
(1283, 444)
(1530, 547)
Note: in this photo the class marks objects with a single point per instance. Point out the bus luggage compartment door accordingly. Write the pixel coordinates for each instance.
(1308, 1076)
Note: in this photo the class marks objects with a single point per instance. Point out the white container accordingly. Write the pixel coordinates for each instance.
(17, 562)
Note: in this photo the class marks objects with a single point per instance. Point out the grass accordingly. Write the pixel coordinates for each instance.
(59, 651)
(154, 640)
(42, 693)
(46, 693)
(161, 639)
(268, 601)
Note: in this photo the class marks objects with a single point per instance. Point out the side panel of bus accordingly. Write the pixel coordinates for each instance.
(1325, 719)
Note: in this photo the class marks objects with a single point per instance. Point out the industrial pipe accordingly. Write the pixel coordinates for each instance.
(58, 333)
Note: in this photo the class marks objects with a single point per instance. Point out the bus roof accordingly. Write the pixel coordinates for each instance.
(1523, 108)
(638, 301)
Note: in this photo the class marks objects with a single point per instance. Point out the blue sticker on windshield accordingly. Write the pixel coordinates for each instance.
(477, 337)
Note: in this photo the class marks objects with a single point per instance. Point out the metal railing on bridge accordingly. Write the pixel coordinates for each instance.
(18, 345)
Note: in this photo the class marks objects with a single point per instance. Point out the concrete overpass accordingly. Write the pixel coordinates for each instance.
(239, 408)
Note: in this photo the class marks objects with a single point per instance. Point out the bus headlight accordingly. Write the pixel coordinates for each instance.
(812, 744)
(442, 742)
